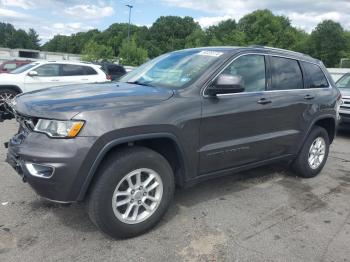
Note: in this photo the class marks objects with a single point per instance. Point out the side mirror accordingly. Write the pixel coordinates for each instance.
(33, 73)
(226, 84)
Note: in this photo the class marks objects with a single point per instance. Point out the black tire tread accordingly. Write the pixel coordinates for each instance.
(300, 165)
(119, 158)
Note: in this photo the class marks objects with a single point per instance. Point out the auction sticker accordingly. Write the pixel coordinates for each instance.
(210, 53)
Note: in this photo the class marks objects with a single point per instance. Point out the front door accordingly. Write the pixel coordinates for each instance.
(48, 76)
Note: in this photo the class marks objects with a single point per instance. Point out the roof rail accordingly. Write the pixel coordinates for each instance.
(278, 49)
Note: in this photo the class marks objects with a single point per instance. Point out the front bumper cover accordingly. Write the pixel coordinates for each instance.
(67, 156)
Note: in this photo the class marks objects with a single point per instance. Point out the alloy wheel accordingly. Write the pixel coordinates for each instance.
(137, 196)
(317, 153)
(5, 97)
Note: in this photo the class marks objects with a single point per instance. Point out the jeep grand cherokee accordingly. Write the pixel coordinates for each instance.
(178, 119)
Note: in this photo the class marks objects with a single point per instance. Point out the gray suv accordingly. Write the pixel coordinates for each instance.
(181, 118)
(344, 86)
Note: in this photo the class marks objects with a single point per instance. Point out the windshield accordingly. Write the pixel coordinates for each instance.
(173, 70)
(344, 82)
(23, 68)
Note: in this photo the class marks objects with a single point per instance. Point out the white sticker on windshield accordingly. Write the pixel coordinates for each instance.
(211, 53)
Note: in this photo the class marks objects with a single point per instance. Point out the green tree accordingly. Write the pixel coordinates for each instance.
(262, 27)
(13, 38)
(195, 39)
(169, 33)
(225, 33)
(33, 39)
(94, 52)
(132, 55)
(328, 42)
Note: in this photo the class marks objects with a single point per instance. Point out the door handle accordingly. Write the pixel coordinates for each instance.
(264, 101)
(84, 79)
(55, 80)
(309, 97)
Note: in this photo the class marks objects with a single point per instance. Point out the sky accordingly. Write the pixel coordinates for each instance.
(51, 17)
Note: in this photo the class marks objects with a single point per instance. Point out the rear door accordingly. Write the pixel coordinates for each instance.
(290, 105)
(74, 74)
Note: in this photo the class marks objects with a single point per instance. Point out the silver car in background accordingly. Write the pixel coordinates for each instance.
(343, 85)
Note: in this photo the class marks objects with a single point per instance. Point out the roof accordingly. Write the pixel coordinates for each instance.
(266, 49)
(65, 62)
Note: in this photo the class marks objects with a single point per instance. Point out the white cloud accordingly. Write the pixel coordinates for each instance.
(48, 32)
(8, 15)
(89, 11)
(303, 14)
(212, 20)
(25, 4)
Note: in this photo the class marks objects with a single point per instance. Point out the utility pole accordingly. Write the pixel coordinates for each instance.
(130, 7)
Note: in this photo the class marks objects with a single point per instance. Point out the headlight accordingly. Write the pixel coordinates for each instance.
(59, 129)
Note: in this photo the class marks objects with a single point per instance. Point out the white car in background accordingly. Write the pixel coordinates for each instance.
(44, 74)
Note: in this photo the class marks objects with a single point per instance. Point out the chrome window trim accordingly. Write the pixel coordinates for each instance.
(266, 91)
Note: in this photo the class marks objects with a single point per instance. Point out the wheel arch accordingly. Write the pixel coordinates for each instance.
(12, 87)
(165, 144)
(328, 122)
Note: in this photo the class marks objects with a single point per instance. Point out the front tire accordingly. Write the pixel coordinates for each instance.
(313, 156)
(133, 192)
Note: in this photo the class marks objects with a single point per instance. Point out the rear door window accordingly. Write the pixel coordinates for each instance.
(72, 70)
(314, 77)
(286, 74)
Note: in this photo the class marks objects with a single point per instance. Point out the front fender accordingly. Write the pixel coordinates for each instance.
(108, 146)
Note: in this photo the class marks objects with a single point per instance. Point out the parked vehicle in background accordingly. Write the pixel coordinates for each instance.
(344, 86)
(113, 71)
(181, 118)
(338, 73)
(44, 74)
(11, 65)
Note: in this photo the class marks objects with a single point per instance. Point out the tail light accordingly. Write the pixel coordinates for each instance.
(109, 77)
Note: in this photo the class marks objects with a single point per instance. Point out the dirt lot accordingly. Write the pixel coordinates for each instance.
(266, 214)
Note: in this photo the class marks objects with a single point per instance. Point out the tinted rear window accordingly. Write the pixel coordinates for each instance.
(72, 70)
(314, 77)
(286, 74)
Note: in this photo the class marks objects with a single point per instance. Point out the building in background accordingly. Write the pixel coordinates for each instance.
(27, 54)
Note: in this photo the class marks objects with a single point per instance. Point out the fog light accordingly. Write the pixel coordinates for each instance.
(39, 170)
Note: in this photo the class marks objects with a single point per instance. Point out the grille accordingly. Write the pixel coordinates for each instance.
(345, 107)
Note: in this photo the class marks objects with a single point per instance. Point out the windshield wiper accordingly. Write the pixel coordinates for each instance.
(140, 83)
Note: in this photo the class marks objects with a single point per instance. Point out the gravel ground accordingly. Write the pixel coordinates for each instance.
(266, 214)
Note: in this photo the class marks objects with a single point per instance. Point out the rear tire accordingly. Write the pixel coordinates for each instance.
(313, 156)
(119, 183)
(6, 94)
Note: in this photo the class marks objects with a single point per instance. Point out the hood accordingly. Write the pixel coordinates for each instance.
(67, 101)
(344, 91)
(5, 76)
